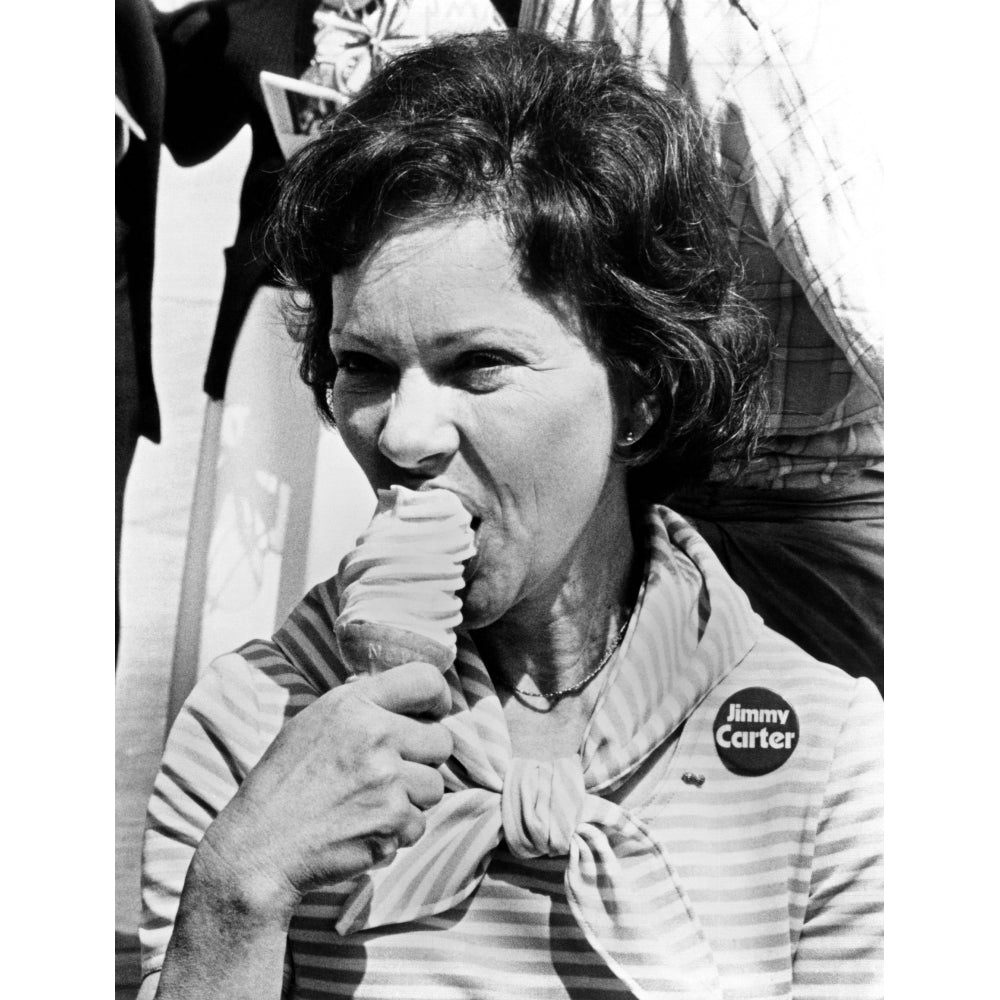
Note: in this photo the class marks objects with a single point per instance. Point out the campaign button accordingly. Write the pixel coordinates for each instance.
(756, 731)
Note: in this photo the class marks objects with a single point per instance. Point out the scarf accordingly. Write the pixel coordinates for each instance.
(691, 627)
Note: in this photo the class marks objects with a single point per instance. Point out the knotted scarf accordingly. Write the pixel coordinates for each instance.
(690, 628)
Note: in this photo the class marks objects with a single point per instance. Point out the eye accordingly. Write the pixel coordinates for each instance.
(483, 371)
(361, 371)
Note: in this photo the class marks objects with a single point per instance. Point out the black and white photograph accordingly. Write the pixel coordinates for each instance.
(499, 508)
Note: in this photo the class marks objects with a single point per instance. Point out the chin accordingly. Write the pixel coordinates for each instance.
(480, 606)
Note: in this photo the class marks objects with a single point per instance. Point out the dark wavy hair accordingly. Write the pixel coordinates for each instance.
(608, 192)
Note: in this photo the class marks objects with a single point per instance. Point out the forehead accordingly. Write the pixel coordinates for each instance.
(442, 276)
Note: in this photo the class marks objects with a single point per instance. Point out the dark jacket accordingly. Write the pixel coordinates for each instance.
(139, 86)
(213, 54)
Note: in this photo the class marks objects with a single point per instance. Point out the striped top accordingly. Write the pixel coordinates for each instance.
(803, 201)
(641, 867)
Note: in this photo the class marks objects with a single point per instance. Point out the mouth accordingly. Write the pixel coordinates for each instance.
(475, 520)
(473, 560)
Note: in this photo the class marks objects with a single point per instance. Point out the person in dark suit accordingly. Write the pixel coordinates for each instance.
(139, 90)
(213, 53)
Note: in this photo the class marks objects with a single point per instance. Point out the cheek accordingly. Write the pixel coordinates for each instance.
(548, 470)
(358, 427)
(549, 454)
(570, 437)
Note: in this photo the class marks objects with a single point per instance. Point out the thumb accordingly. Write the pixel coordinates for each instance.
(410, 689)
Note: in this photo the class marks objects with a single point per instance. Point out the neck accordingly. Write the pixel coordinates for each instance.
(558, 635)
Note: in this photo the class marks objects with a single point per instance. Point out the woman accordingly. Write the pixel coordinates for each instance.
(519, 290)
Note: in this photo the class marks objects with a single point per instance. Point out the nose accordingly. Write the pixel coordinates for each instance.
(419, 433)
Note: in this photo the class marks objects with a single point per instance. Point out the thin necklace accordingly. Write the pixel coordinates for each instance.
(573, 688)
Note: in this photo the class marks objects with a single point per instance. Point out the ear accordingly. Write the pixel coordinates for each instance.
(647, 412)
(636, 420)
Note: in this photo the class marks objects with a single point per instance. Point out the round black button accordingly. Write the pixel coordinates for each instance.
(756, 731)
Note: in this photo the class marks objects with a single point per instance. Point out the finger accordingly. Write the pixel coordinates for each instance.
(413, 829)
(411, 689)
(423, 742)
(381, 848)
(424, 785)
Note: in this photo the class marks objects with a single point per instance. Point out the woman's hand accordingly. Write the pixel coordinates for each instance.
(342, 787)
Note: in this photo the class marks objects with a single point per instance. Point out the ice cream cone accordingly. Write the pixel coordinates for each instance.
(399, 586)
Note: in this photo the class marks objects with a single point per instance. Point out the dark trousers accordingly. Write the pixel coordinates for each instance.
(126, 398)
(810, 561)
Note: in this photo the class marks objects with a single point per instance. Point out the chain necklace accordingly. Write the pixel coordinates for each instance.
(580, 684)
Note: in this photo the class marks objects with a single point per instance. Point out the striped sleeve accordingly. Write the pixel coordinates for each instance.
(839, 952)
(223, 729)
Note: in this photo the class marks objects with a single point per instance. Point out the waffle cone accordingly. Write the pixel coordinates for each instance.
(370, 647)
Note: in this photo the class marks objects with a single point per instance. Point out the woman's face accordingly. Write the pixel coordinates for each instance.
(452, 375)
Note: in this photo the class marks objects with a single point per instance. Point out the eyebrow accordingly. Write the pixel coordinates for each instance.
(339, 331)
(444, 340)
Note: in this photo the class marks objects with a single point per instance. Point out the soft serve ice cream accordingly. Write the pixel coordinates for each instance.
(399, 586)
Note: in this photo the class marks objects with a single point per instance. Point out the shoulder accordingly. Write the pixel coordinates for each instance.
(245, 697)
(821, 688)
(236, 710)
(786, 720)
(824, 697)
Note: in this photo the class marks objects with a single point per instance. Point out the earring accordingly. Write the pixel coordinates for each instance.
(629, 437)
